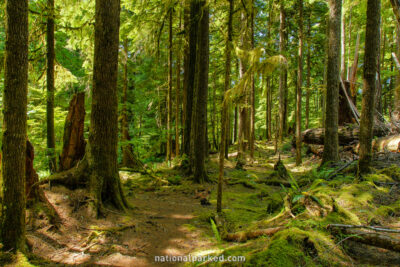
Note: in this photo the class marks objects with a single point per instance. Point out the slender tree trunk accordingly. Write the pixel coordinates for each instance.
(308, 93)
(370, 66)
(243, 109)
(186, 26)
(51, 140)
(343, 47)
(299, 86)
(178, 94)
(224, 111)
(169, 96)
(214, 111)
(199, 115)
(396, 104)
(104, 179)
(14, 126)
(283, 75)
(331, 147)
(253, 89)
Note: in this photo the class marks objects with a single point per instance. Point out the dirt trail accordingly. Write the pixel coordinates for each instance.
(158, 225)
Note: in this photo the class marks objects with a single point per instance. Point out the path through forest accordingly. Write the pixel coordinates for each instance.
(158, 225)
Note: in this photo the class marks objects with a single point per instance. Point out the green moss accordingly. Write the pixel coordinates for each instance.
(393, 172)
(378, 177)
(295, 247)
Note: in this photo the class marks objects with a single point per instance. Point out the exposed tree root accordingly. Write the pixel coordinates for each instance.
(244, 236)
(368, 237)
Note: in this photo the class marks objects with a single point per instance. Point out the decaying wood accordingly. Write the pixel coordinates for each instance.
(387, 144)
(244, 236)
(347, 135)
(74, 142)
(346, 114)
(34, 193)
(368, 235)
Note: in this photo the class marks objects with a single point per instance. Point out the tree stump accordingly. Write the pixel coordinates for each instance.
(73, 141)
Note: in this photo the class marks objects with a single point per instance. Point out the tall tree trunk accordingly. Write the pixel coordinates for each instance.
(331, 147)
(190, 71)
(253, 89)
(343, 48)
(51, 140)
(104, 179)
(14, 126)
(299, 86)
(396, 104)
(199, 115)
(128, 157)
(370, 66)
(178, 93)
(224, 112)
(169, 96)
(308, 93)
(283, 74)
(243, 108)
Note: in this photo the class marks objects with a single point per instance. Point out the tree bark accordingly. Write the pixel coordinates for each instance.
(199, 115)
(308, 93)
(299, 86)
(372, 40)
(224, 112)
(331, 148)
(14, 127)
(283, 74)
(104, 182)
(397, 85)
(169, 95)
(178, 95)
(253, 89)
(51, 142)
(74, 142)
(190, 71)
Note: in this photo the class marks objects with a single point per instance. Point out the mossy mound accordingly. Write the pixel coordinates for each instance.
(296, 247)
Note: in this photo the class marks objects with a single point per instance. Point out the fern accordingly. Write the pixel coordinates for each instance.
(215, 230)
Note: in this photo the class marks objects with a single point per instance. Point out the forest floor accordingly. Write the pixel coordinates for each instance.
(179, 219)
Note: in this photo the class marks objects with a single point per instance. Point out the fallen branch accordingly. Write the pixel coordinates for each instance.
(244, 236)
(368, 238)
(374, 228)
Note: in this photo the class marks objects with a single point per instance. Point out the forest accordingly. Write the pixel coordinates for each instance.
(200, 133)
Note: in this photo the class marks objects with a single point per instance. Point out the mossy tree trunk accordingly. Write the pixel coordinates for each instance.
(397, 85)
(14, 127)
(372, 41)
(199, 115)
(224, 112)
(51, 141)
(252, 109)
(104, 182)
(243, 130)
(283, 74)
(169, 93)
(331, 147)
(299, 85)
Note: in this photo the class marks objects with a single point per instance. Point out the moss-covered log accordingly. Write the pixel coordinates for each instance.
(347, 135)
(252, 234)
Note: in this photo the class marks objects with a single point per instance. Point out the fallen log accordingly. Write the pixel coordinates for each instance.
(247, 235)
(387, 144)
(368, 237)
(347, 135)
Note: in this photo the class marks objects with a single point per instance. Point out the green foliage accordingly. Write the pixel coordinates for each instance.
(215, 230)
